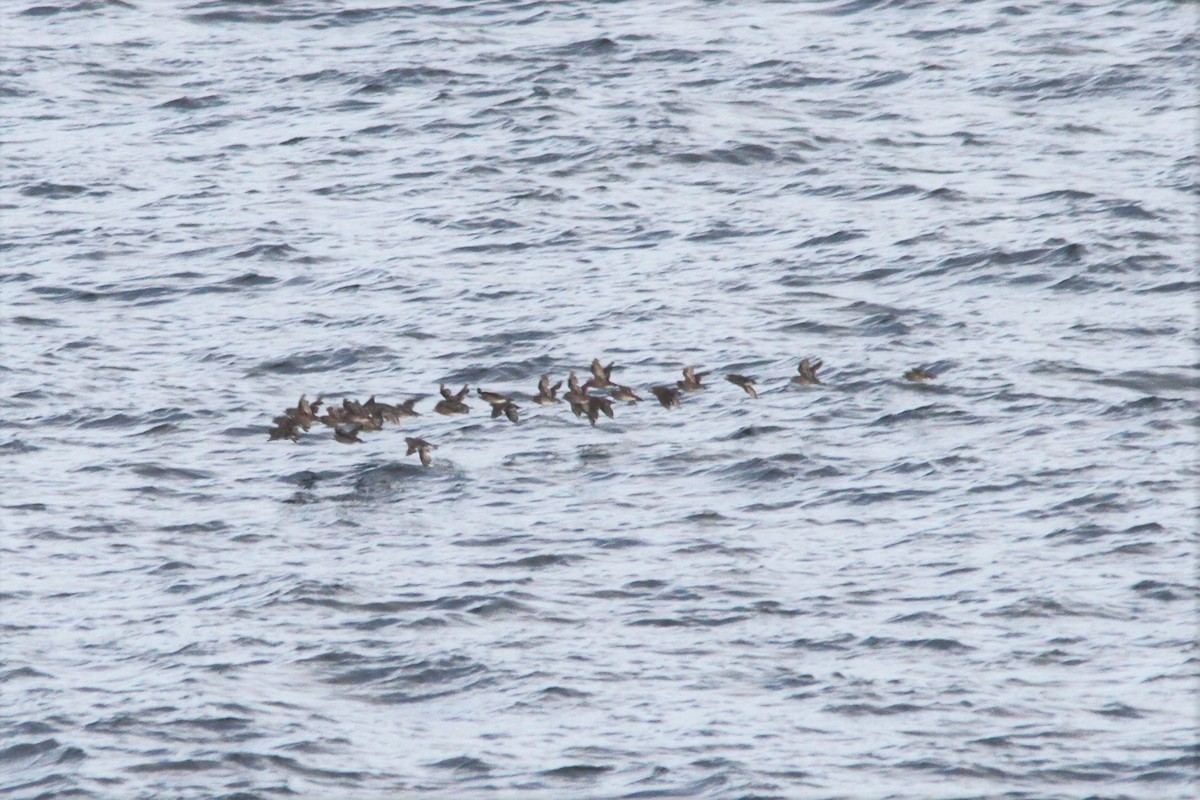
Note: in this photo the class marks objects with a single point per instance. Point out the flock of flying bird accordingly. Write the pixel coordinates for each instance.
(352, 417)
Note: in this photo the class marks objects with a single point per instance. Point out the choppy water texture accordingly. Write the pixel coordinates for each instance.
(980, 586)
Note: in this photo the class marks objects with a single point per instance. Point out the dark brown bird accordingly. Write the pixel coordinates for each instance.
(598, 405)
(919, 374)
(744, 382)
(624, 393)
(334, 415)
(452, 402)
(577, 396)
(808, 372)
(492, 398)
(285, 428)
(667, 396)
(691, 381)
(384, 411)
(420, 447)
(547, 394)
(304, 413)
(347, 433)
(600, 375)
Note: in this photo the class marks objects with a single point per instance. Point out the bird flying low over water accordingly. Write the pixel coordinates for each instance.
(807, 372)
(919, 374)
(600, 375)
(668, 397)
(347, 433)
(577, 396)
(624, 393)
(691, 381)
(547, 394)
(421, 448)
(389, 412)
(305, 413)
(598, 405)
(285, 428)
(500, 403)
(452, 403)
(746, 383)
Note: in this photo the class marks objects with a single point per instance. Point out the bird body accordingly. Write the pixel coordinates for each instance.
(746, 383)
(421, 448)
(691, 381)
(668, 397)
(807, 372)
(919, 374)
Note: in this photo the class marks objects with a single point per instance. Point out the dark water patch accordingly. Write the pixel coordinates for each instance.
(884, 78)
(838, 643)
(600, 46)
(945, 769)
(322, 360)
(1172, 287)
(576, 772)
(1165, 592)
(54, 191)
(1130, 211)
(753, 432)
(945, 194)
(161, 472)
(36, 322)
(873, 710)
(933, 411)
(15, 447)
(193, 103)
(268, 252)
(738, 154)
(536, 562)
(783, 75)
(21, 672)
(906, 190)
(464, 764)
(1118, 710)
(257, 761)
(933, 34)
(185, 765)
(839, 237)
(1073, 195)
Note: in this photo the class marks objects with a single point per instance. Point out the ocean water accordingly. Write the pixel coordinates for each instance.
(984, 585)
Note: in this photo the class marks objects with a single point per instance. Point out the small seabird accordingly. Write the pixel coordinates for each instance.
(598, 405)
(546, 395)
(334, 415)
(577, 397)
(624, 393)
(452, 402)
(601, 375)
(347, 433)
(500, 403)
(573, 383)
(384, 411)
(285, 428)
(918, 374)
(305, 412)
(354, 408)
(691, 381)
(492, 398)
(667, 396)
(406, 409)
(744, 382)
(421, 447)
(808, 372)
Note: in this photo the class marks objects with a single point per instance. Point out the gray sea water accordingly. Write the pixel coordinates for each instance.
(980, 586)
